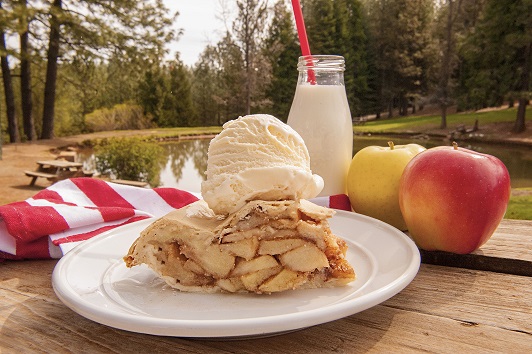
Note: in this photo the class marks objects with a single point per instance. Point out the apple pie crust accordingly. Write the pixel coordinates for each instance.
(265, 247)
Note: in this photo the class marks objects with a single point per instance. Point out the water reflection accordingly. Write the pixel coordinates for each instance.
(187, 159)
(186, 164)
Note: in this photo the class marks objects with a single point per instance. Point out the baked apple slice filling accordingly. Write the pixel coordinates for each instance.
(265, 247)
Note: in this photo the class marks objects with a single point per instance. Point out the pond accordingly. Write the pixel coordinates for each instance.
(187, 159)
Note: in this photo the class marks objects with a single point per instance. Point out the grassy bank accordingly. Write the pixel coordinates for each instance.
(430, 122)
(156, 134)
(493, 124)
(520, 205)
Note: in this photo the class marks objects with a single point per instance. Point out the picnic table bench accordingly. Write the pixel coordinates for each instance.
(36, 174)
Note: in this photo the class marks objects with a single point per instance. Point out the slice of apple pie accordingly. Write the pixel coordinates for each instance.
(265, 247)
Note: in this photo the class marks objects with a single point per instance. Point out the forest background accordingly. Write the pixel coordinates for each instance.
(93, 65)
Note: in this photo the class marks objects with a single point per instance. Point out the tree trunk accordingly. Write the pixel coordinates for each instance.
(247, 61)
(443, 122)
(51, 73)
(446, 66)
(520, 125)
(248, 79)
(404, 103)
(25, 79)
(12, 125)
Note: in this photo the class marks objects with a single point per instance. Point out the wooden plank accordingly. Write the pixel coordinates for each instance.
(59, 163)
(36, 174)
(39, 174)
(443, 310)
(470, 296)
(478, 262)
(130, 183)
(386, 330)
(511, 240)
(509, 250)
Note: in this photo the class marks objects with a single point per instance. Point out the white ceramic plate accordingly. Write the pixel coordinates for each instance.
(93, 280)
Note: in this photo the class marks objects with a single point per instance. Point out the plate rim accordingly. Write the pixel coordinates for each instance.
(242, 327)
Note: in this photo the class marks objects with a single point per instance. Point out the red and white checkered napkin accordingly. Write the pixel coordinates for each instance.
(58, 218)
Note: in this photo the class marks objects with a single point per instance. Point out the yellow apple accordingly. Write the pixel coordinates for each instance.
(373, 181)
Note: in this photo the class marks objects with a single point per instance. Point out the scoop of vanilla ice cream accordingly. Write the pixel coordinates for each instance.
(257, 157)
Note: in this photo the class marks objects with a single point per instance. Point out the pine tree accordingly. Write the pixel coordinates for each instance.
(448, 48)
(232, 74)
(281, 50)
(248, 31)
(321, 27)
(401, 31)
(337, 28)
(149, 94)
(355, 52)
(180, 95)
(455, 20)
(412, 53)
(381, 18)
(499, 57)
(205, 88)
(25, 72)
(51, 70)
(131, 29)
(12, 124)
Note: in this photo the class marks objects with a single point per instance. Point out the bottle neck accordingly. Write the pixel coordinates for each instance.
(321, 70)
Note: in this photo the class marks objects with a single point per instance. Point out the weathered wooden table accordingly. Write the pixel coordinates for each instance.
(478, 303)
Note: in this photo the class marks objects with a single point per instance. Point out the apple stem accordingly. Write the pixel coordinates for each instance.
(455, 145)
(391, 145)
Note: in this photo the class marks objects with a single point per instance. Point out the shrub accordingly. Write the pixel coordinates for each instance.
(120, 117)
(130, 159)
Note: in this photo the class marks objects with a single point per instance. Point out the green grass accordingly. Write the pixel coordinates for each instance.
(520, 205)
(424, 123)
(180, 131)
(155, 134)
(188, 131)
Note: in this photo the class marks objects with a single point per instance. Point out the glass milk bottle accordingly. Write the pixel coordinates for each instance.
(320, 114)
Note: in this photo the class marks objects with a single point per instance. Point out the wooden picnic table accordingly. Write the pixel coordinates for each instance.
(479, 303)
(55, 170)
(59, 165)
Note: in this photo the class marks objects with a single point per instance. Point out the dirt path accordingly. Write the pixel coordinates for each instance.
(14, 185)
(16, 158)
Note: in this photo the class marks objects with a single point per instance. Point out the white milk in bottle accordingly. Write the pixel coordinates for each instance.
(320, 114)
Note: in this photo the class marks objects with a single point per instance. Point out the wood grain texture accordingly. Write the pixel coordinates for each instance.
(512, 240)
(443, 310)
(470, 297)
(509, 250)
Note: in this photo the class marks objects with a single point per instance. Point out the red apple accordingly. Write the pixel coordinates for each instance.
(453, 199)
